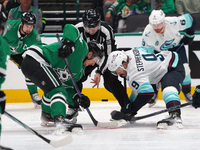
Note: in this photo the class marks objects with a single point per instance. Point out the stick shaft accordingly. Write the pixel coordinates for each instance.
(160, 112)
(75, 85)
(179, 47)
(26, 127)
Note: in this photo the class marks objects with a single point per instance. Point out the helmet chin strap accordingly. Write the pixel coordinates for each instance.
(124, 68)
(23, 30)
(22, 34)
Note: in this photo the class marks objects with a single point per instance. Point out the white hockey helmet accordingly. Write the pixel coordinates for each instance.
(115, 60)
(156, 17)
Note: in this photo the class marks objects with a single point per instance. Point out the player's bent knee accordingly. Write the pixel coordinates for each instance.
(169, 89)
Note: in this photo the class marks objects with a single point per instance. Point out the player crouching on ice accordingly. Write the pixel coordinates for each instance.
(46, 67)
(142, 69)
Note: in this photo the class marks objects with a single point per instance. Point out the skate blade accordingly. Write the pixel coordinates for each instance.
(47, 124)
(177, 125)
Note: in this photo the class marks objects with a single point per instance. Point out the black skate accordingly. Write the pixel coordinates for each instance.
(5, 148)
(63, 126)
(47, 120)
(36, 99)
(188, 97)
(117, 115)
(72, 114)
(173, 119)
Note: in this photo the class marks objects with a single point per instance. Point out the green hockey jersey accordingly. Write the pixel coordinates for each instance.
(75, 60)
(13, 36)
(4, 57)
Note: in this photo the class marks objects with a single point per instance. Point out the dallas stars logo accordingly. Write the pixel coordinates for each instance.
(63, 74)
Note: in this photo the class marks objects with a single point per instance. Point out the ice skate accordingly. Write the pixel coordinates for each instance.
(72, 114)
(36, 99)
(47, 120)
(153, 100)
(188, 97)
(63, 126)
(174, 119)
(121, 117)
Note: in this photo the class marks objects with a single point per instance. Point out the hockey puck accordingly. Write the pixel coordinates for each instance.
(104, 100)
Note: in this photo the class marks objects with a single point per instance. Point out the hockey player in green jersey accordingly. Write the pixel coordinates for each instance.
(46, 67)
(4, 57)
(20, 35)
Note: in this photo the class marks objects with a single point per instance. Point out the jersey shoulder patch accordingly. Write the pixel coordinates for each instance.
(38, 38)
(8, 27)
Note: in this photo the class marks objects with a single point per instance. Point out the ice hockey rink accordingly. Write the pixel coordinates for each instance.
(142, 135)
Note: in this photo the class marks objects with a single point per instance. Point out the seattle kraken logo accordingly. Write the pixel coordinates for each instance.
(147, 34)
(167, 45)
(174, 22)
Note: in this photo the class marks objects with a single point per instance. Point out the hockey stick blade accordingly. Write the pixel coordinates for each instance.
(113, 124)
(96, 123)
(58, 143)
(62, 142)
(118, 115)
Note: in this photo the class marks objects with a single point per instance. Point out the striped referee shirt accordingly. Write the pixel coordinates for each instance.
(105, 37)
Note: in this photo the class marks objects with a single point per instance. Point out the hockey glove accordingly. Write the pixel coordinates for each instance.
(127, 110)
(84, 101)
(2, 101)
(187, 39)
(66, 49)
(196, 97)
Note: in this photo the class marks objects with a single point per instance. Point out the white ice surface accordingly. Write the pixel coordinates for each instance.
(142, 135)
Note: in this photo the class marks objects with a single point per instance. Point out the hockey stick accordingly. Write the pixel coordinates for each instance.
(129, 118)
(62, 142)
(160, 112)
(113, 124)
(179, 47)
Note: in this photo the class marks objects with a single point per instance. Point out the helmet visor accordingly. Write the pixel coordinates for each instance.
(91, 24)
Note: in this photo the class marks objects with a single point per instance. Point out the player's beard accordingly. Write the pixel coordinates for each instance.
(27, 33)
(23, 32)
(160, 31)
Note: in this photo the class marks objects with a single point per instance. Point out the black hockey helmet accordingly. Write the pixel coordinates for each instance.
(28, 18)
(96, 48)
(91, 18)
(3, 17)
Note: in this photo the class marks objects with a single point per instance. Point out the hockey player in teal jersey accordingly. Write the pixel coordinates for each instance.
(163, 33)
(46, 67)
(20, 35)
(142, 69)
(4, 57)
